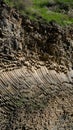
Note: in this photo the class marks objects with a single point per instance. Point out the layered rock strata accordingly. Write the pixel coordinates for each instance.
(24, 42)
(36, 100)
(36, 73)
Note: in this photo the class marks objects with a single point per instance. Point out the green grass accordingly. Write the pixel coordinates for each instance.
(48, 15)
(65, 1)
(38, 8)
(44, 2)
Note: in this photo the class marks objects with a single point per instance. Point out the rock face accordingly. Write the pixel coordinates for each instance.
(36, 100)
(22, 40)
(36, 73)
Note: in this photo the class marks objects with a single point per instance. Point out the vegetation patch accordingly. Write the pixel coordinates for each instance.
(46, 9)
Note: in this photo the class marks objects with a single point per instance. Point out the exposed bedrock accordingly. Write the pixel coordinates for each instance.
(23, 40)
(36, 73)
(36, 100)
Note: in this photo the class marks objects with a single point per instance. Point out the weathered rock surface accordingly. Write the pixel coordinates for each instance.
(36, 100)
(24, 40)
(36, 73)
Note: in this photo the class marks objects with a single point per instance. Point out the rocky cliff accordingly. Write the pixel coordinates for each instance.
(36, 73)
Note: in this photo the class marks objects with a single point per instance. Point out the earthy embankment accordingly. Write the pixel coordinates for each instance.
(36, 73)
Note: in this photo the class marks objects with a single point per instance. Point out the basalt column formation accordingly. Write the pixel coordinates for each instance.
(36, 73)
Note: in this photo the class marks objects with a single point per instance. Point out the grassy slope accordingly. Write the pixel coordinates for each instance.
(38, 8)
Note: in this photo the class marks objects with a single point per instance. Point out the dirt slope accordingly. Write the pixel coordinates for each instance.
(36, 73)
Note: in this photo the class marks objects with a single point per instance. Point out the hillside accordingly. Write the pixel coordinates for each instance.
(36, 71)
